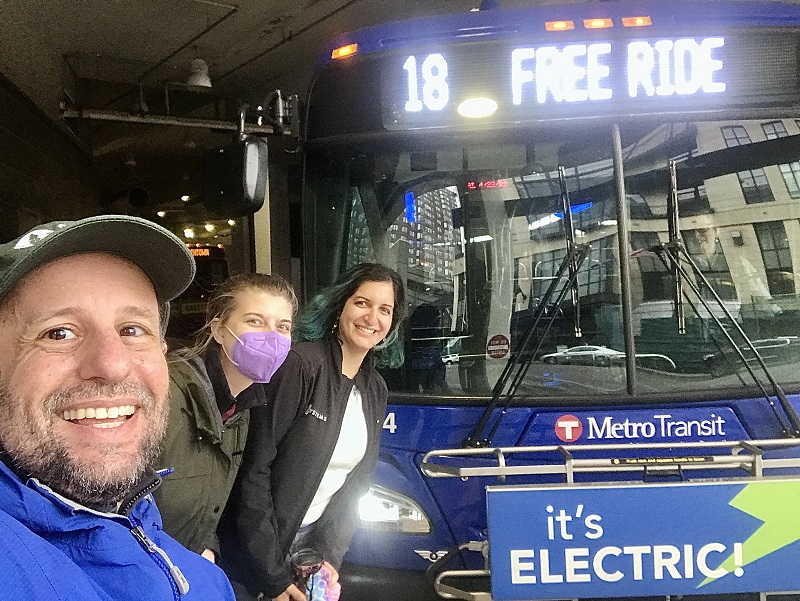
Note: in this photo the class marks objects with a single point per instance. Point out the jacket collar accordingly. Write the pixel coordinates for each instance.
(40, 507)
(216, 376)
(365, 373)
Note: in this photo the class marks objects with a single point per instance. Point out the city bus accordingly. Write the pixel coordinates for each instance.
(595, 208)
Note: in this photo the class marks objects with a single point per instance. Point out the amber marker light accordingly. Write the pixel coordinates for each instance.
(344, 51)
(559, 25)
(598, 23)
(636, 21)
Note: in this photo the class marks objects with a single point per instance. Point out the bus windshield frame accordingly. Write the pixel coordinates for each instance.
(468, 212)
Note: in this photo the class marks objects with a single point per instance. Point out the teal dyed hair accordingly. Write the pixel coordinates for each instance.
(318, 318)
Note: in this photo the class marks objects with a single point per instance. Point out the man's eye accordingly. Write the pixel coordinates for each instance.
(132, 331)
(60, 334)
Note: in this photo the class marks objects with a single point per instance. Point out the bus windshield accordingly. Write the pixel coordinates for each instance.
(476, 228)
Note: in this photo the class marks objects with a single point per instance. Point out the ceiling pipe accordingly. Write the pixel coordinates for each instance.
(232, 9)
(291, 37)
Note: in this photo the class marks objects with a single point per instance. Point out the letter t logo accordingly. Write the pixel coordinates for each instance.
(568, 428)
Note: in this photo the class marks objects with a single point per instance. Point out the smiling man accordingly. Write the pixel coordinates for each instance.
(83, 408)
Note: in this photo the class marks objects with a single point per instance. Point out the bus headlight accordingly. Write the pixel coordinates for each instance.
(389, 511)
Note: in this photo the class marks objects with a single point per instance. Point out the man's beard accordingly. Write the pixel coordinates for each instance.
(38, 451)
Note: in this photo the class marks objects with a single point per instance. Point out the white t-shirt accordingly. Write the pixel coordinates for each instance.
(349, 450)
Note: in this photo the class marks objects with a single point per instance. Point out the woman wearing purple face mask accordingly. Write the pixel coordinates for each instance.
(313, 446)
(212, 386)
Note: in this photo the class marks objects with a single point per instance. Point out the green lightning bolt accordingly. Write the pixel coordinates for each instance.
(777, 505)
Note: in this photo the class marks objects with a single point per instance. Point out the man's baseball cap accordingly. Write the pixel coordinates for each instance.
(158, 252)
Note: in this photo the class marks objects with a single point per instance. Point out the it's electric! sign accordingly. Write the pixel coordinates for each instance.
(560, 542)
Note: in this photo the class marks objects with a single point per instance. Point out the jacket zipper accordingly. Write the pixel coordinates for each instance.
(181, 585)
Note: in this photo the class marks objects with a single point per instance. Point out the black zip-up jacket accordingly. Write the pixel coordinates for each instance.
(289, 447)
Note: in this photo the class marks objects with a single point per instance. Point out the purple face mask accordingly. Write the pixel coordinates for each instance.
(258, 355)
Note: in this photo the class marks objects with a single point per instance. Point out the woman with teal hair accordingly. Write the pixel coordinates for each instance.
(312, 448)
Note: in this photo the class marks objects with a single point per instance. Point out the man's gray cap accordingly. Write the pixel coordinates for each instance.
(158, 252)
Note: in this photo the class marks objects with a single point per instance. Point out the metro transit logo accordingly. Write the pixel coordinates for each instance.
(568, 428)
(639, 426)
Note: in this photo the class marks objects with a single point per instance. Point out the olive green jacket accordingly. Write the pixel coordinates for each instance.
(205, 454)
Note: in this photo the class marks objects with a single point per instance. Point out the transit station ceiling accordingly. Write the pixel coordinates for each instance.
(133, 57)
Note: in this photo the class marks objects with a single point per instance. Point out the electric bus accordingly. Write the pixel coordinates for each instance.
(595, 209)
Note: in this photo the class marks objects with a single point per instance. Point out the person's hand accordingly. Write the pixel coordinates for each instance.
(209, 555)
(292, 593)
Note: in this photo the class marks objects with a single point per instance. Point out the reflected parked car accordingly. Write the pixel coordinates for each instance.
(585, 355)
(603, 356)
(781, 349)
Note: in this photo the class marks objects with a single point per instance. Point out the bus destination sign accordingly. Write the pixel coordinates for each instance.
(470, 84)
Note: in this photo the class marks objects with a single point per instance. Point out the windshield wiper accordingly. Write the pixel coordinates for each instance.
(522, 358)
(672, 253)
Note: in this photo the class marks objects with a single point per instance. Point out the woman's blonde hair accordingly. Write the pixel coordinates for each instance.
(222, 301)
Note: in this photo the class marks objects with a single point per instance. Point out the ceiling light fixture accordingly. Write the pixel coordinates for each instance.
(198, 74)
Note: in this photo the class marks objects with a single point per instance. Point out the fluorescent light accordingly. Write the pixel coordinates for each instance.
(546, 220)
(185, 198)
(188, 233)
(210, 227)
(484, 238)
(162, 213)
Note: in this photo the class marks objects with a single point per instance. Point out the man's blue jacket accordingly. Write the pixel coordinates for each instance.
(54, 548)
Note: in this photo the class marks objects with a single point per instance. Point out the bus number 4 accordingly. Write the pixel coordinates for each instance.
(389, 424)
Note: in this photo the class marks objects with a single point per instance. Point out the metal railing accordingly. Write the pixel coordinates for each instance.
(655, 459)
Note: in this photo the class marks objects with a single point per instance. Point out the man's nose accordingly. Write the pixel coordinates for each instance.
(104, 356)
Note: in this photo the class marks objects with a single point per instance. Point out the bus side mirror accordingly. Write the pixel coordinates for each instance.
(235, 177)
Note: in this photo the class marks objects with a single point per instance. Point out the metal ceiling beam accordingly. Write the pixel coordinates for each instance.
(121, 117)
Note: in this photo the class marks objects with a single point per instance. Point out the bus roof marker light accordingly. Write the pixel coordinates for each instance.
(475, 108)
(559, 25)
(636, 21)
(344, 51)
(597, 23)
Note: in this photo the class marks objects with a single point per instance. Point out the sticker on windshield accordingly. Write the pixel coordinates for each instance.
(498, 346)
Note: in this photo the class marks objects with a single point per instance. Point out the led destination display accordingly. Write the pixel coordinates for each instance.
(503, 82)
